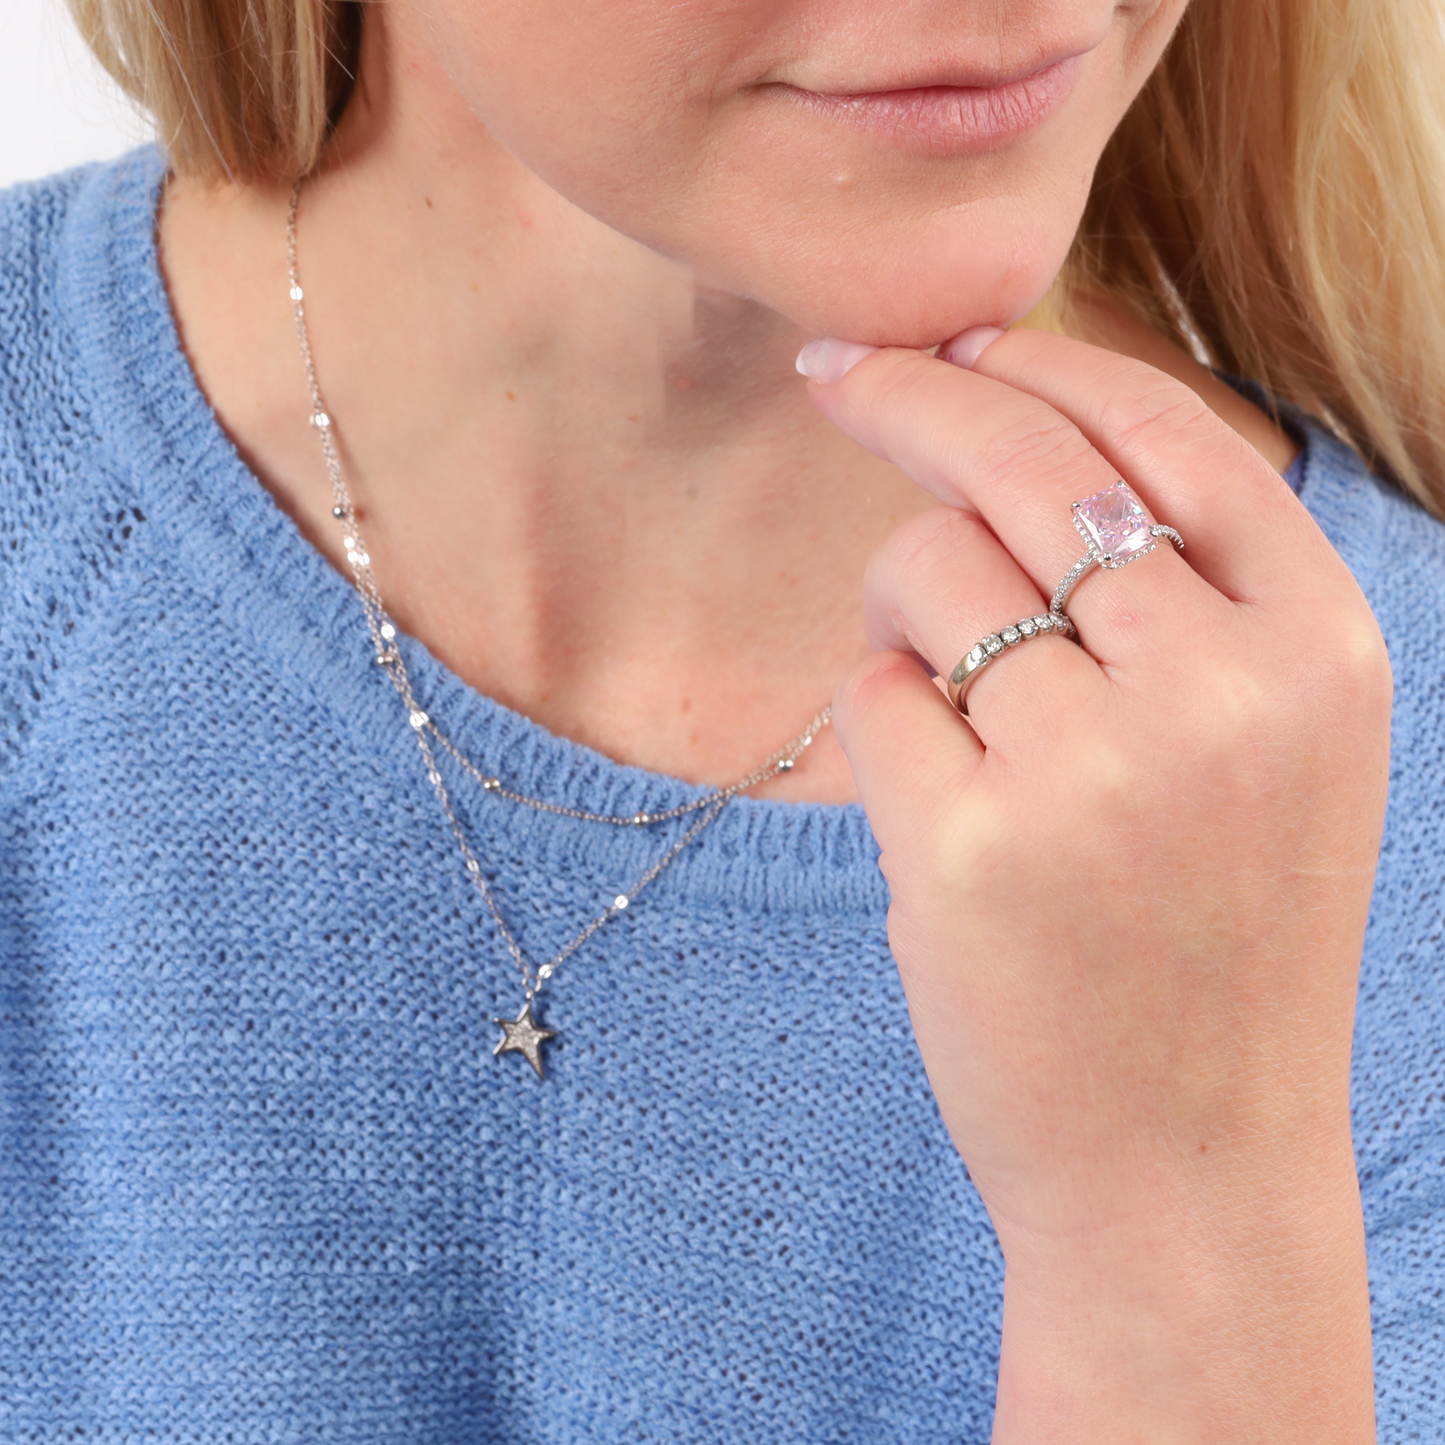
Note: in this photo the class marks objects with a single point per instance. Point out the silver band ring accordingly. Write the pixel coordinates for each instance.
(982, 653)
(1117, 530)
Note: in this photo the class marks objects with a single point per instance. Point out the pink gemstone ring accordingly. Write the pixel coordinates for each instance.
(1117, 530)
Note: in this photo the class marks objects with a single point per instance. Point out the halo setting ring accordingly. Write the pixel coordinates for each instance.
(1117, 530)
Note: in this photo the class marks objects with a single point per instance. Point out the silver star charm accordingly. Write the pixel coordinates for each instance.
(523, 1035)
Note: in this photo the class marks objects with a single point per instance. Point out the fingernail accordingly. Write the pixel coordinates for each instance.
(829, 360)
(968, 346)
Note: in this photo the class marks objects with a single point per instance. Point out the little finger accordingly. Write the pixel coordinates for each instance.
(911, 754)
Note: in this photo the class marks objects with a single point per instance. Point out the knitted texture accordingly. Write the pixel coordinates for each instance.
(260, 1178)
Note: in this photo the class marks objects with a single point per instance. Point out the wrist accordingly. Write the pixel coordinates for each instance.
(1234, 1308)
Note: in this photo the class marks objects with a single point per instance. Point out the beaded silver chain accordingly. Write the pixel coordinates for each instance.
(523, 1034)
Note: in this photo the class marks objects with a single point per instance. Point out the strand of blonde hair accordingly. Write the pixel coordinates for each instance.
(1275, 198)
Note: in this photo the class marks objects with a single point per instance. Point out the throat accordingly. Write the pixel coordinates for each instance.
(589, 481)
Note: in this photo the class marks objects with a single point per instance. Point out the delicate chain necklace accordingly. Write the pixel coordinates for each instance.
(523, 1034)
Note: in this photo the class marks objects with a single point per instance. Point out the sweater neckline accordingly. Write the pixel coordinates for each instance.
(209, 514)
(212, 516)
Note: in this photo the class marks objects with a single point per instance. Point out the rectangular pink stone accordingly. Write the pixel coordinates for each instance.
(1114, 523)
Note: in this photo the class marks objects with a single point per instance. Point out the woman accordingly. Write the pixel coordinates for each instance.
(394, 1054)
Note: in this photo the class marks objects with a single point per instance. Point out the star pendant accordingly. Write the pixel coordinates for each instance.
(523, 1035)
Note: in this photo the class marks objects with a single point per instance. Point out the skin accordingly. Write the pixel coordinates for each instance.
(1127, 907)
(558, 264)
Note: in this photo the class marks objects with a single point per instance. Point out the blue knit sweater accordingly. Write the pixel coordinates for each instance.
(260, 1177)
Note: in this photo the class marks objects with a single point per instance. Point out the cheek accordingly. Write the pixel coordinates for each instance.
(591, 97)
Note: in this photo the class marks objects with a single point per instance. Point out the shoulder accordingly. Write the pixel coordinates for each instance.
(66, 496)
(1395, 548)
(34, 331)
(59, 241)
(50, 230)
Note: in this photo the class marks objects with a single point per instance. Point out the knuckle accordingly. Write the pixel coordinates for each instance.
(1338, 643)
(865, 685)
(1228, 747)
(898, 379)
(1240, 702)
(961, 841)
(1351, 670)
(908, 570)
(1257, 708)
(1037, 440)
(929, 539)
(1154, 405)
(918, 559)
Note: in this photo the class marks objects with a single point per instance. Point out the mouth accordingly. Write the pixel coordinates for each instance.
(949, 119)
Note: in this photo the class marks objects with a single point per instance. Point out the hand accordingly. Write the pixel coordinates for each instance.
(1129, 892)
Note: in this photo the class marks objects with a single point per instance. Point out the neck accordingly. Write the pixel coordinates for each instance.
(590, 483)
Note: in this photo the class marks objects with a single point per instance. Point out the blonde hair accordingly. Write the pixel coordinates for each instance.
(239, 90)
(1274, 199)
(1276, 196)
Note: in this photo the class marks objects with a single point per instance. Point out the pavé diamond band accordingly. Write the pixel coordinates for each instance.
(1117, 530)
(982, 653)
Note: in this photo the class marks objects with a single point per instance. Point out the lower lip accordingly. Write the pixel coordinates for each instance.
(952, 120)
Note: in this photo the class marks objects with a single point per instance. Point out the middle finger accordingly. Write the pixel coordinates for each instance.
(1018, 464)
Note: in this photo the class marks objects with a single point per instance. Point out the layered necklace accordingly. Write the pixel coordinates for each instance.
(523, 1034)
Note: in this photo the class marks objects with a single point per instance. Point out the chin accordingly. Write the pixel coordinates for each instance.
(888, 270)
(918, 311)
(905, 295)
(904, 257)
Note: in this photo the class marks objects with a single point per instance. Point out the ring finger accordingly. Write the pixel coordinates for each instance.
(941, 584)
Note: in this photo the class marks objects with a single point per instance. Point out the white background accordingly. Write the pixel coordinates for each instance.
(57, 107)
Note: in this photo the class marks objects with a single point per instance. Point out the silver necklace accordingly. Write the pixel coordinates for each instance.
(524, 1034)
